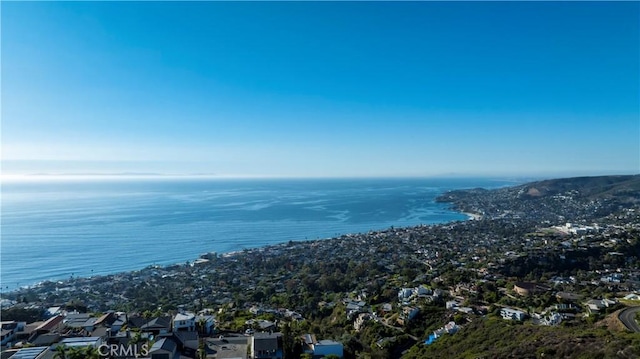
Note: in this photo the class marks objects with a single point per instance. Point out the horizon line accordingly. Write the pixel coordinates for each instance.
(35, 177)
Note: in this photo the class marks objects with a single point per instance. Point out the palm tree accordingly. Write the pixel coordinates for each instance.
(60, 352)
(201, 326)
(147, 315)
(76, 353)
(202, 352)
(91, 353)
(136, 338)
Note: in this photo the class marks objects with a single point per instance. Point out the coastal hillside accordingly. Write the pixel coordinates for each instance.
(567, 199)
(625, 188)
(517, 283)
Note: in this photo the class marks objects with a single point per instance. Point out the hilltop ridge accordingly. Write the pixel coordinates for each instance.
(590, 187)
(576, 198)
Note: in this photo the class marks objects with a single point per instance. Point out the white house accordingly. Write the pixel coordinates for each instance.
(512, 314)
(595, 305)
(9, 331)
(449, 328)
(405, 293)
(452, 304)
(632, 296)
(551, 319)
(185, 321)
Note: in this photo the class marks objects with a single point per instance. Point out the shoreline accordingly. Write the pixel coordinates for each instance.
(202, 257)
(84, 274)
(191, 260)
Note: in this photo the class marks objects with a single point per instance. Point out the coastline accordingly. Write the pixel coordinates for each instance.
(222, 239)
(205, 257)
(214, 258)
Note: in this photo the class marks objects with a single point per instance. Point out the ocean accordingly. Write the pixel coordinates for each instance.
(52, 230)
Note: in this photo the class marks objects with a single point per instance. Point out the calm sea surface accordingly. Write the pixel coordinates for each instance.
(52, 230)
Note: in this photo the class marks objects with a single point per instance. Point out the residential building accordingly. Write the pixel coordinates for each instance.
(10, 330)
(30, 353)
(595, 305)
(512, 314)
(159, 325)
(82, 342)
(407, 314)
(632, 296)
(322, 348)
(266, 346)
(164, 348)
(405, 293)
(551, 319)
(452, 304)
(184, 321)
(524, 288)
(327, 347)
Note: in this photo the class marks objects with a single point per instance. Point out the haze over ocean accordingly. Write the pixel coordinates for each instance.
(53, 229)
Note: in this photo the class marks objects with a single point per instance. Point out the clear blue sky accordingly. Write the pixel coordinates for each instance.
(321, 89)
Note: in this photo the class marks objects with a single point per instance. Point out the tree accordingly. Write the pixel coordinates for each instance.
(91, 353)
(136, 338)
(201, 325)
(76, 353)
(202, 352)
(60, 352)
(147, 315)
(287, 340)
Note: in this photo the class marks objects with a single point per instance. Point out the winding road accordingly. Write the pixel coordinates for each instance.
(628, 317)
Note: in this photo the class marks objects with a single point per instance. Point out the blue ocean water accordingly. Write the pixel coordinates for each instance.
(57, 229)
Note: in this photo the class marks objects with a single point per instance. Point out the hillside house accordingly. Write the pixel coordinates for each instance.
(512, 314)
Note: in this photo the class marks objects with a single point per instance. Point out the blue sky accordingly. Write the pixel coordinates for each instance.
(321, 89)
